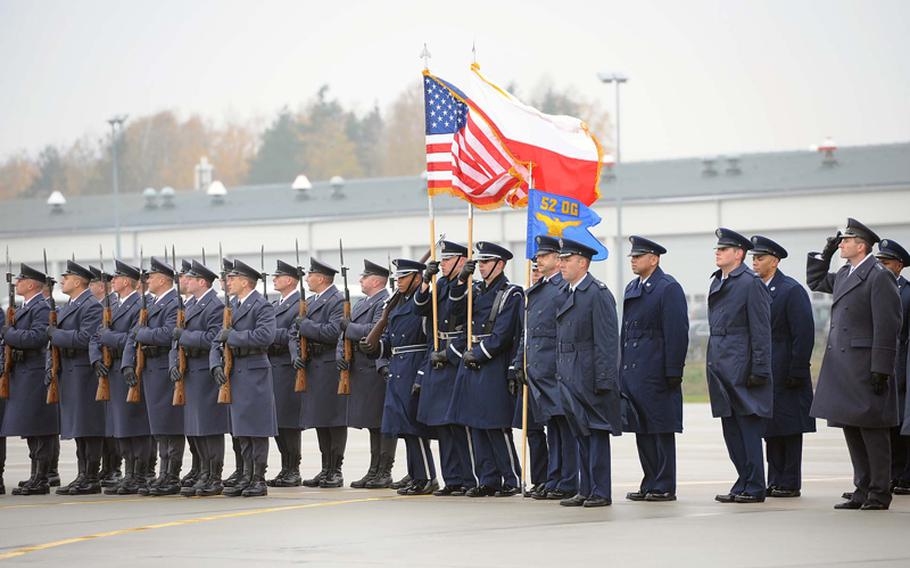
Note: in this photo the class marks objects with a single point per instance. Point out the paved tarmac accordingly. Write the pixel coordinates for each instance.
(348, 527)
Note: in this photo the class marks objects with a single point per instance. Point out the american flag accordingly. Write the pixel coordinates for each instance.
(464, 154)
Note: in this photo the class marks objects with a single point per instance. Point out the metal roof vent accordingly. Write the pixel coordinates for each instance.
(217, 192)
(167, 196)
(151, 198)
(302, 185)
(708, 169)
(733, 166)
(827, 148)
(56, 201)
(337, 183)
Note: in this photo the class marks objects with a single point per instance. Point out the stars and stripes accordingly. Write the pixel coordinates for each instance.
(465, 157)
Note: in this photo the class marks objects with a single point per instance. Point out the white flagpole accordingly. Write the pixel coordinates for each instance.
(524, 390)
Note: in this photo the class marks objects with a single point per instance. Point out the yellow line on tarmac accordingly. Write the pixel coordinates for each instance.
(216, 517)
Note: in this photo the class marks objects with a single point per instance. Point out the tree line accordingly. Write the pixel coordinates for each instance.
(321, 138)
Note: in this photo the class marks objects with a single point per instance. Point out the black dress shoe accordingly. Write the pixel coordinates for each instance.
(406, 480)
(507, 491)
(873, 507)
(660, 497)
(849, 505)
(535, 490)
(636, 496)
(480, 491)
(744, 498)
(597, 501)
(53, 479)
(556, 495)
(848, 495)
(403, 490)
(784, 493)
(574, 501)
(725, 498)
(449, 491)
(422, 487)
(901, 489)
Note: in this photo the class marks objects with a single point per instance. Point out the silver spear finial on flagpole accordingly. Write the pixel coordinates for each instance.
(425, 55)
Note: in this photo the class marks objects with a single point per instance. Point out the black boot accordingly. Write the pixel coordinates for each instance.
(192, 476)
(80, 478)
(31, 477)
(383, 477)
(362, 482)
(243, 481)
(213, 484)
(171, 483)
(315, 481)
(133, 482)
(257, 487)
(129, 471)
(403, 482)
(91, 482)
(162, 475)
(333, 477)
(278, 479)
(201, 479)
(53, 473)
(37, 485)
(238, 472)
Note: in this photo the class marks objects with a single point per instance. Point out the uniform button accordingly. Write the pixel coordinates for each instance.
(625, 366)
(710, 364)
(625, 344)
(635, 344)
(829, 348)
(842, 349)
(634, 364)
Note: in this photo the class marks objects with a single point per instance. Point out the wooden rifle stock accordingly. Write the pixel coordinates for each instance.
(344, 385)
(300, 384)
(224, 392)
(53, 390)
(107, 359)
(134, 395)
(179, 386)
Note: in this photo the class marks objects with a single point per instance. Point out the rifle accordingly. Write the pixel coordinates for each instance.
(372, 338)
(224, 392)
(107, 359)
(179, 387)
(10, 321)
(344, 384)
(300, 383)
(134, 395)
(53, 389)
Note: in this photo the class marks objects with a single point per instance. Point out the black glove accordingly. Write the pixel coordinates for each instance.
(223, 335)
(365, 348)
(793, 382)
(299, 363)
(342, 365)
(439, 359)
(385, 373)
(219, 376)
(673, 382)
(471, 361)
(174, 374)
(756, 381)
(600, 391)
(175, 335)
(467, 270)
(517, 374)
(129, 376)
(297, 321)
(880, 383)
(100, 369)
(50, 331)
(344, 323)
(512, 384)
(4, 329)
(415, 389)
(47, 377)
(831, 246)
(431, 271)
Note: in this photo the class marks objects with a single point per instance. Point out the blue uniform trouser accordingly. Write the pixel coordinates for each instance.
(495, 460)
(743, 436)
(420, 458)
(594, 465)
(453, 456)
(657, 453)
(537, 447)
(785, 457)
(900, 458)
(562, 465)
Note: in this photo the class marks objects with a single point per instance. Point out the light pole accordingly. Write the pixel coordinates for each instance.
(116, 123)
(617, 78)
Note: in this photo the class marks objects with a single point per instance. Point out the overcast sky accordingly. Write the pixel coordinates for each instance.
(706, 77)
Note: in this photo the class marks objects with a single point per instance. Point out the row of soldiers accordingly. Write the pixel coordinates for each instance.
(588, 376)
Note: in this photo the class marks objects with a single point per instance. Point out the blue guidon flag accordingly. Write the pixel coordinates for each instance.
(561, 217)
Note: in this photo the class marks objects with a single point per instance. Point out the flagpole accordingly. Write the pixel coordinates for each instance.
(470, 282)
(425, 55)
(432, 214)
(524, 361)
